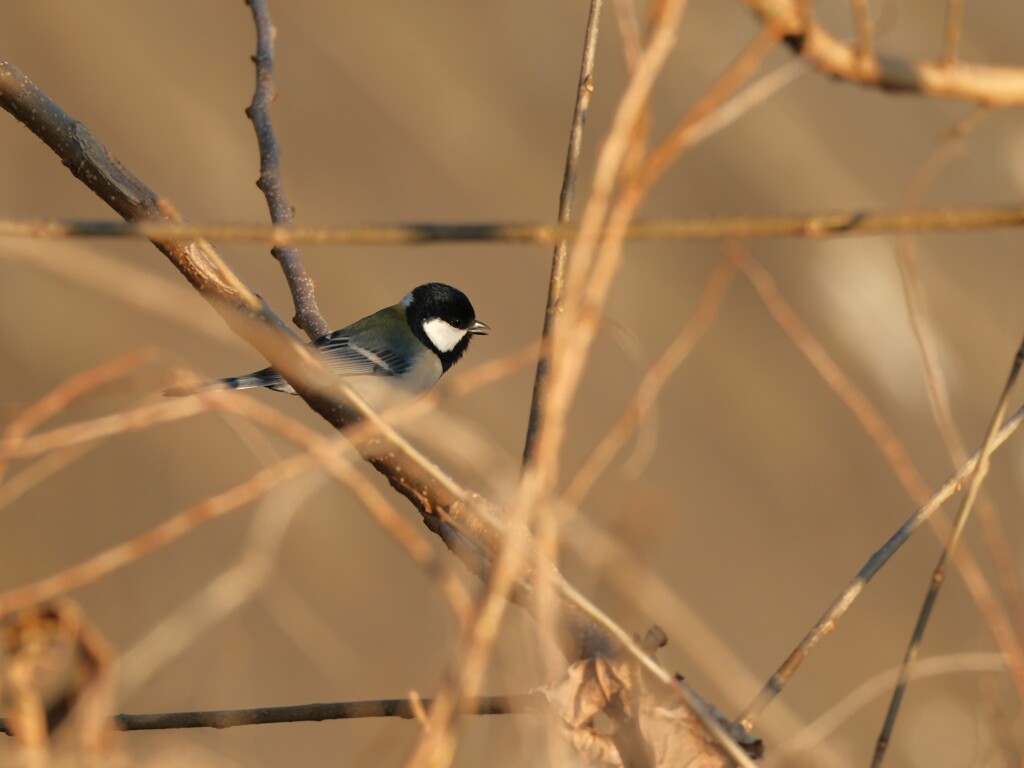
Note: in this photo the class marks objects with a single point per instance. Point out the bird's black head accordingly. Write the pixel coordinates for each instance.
(443, 318)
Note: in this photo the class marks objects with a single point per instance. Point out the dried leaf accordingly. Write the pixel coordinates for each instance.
(669, 734)
(55, 674)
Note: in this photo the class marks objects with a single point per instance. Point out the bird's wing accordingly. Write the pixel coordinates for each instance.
(368, 346)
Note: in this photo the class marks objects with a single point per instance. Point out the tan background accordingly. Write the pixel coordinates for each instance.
(764, 496)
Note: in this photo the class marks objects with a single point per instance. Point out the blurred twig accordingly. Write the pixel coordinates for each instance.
(989, 85)
(157, 537)
(569, 350)
(307, 314)
(813, 736)
(135, 287)
(813, 225)
(222, 594)
(953, 31)
(862, 18)
(58, 399)
(643, 401)
(921, 323)
(318, 451)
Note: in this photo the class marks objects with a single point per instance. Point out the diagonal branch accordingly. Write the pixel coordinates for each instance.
(458, 517)
(977, 477)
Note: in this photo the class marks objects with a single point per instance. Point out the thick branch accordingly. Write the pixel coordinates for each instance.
(463, 521)
(987, 85)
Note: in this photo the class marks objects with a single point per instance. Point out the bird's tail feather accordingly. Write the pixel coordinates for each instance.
(265, 378)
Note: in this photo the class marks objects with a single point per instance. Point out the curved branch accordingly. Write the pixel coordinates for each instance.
(988, 85)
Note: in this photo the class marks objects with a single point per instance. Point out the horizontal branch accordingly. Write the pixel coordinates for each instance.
(813, 225)
(522, 703)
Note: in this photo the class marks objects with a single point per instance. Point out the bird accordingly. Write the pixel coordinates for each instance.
(406, 347)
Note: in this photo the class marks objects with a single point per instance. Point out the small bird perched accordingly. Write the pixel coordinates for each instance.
(408, 346)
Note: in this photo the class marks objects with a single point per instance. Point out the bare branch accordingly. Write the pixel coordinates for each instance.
(989, 85)
(974, 482)
(812, 225)
(307, 314)
(556, 284)
(523, 703)
(443, 504)
(903, 467)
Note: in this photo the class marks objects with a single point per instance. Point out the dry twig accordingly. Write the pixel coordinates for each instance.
(307, 314)
(987, 85)
(556, 284)
(857, 223)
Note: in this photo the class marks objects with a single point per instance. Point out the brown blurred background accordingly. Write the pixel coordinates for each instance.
(763, 496)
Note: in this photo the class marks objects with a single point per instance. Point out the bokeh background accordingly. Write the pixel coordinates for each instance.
(762, 497)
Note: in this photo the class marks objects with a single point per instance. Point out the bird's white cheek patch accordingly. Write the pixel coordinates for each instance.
(443, 335)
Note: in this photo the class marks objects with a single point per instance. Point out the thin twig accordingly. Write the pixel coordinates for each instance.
(131, 550)
(858, 223)
(436, 748)
(556, 283)
(938, 390)
(38, 472)
(867, 415)
(684, 132)
(222, 594)
(629, 31)
(914, 484)
(307, 314)
(642, 402)
(63, 395)
(996, 537)
(571, 342)
(135, 287)
(938, 575)
(609, 249)
(513, 704)
(830, 618)
(630, 575)
(814, 736)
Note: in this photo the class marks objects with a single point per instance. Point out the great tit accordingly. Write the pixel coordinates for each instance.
(405, 347)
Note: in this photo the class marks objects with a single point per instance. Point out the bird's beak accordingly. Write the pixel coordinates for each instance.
(479, 329)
